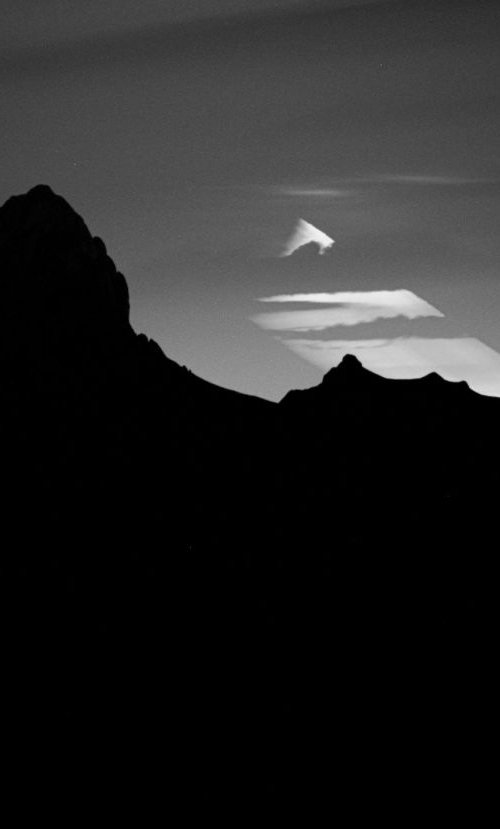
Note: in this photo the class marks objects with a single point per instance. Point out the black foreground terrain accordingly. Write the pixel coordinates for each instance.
(228, 598)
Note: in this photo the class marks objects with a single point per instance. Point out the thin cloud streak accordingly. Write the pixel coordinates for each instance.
(314, 192)
(426, 180)
(344, 187)
(121, 30)
(346, 308)
(455, 359)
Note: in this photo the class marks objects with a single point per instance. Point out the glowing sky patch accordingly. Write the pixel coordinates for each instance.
(345, 308)
(460, 358)
(304, 234)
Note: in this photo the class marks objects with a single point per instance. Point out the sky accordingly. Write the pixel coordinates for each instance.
(202, 139)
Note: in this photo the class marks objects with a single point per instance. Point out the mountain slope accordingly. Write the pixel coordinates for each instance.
(248, 578)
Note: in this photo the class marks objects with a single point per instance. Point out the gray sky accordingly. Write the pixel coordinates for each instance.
(193, 140)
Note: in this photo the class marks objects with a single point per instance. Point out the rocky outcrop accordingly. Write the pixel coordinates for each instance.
(55, 277)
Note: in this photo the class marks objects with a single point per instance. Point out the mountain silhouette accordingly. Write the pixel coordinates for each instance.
(294, 597)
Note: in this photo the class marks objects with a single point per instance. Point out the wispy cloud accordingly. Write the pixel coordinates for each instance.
(314, 192)
(304, 234)
(348, 187)
(460, 358)
(345, 308)
(425, 180)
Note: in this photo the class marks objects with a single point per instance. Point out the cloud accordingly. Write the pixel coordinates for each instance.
(305, 233)
(425, 180)
(460, 358)
(349, 186)
(313, 192)
(346, 308)
(74, 37)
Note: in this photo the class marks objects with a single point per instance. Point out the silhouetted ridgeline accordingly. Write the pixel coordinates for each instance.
(286, 598)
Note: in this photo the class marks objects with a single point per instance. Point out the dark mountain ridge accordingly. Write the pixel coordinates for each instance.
(252, 579)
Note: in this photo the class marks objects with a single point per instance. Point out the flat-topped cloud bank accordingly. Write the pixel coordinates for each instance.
(241, 581)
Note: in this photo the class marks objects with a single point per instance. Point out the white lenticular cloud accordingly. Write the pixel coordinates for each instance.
(345, 308)
(461, 358)
(305, 233)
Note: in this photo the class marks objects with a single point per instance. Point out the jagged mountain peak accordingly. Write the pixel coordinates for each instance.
(39, 209)
(53, 271)
(352, 378)
(350, 369)
(349, 363)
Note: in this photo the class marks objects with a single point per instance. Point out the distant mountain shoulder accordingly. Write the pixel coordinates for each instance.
(351, 377)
